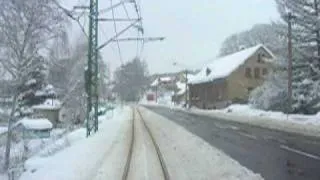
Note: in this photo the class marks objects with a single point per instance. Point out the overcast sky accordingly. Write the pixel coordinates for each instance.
(194, 29)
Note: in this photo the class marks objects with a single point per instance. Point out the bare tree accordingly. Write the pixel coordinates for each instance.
(27, 28)
(67, 74)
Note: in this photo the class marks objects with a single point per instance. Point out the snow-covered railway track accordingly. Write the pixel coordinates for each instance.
(144, 159)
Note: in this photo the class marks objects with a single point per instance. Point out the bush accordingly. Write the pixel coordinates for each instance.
(272, 95)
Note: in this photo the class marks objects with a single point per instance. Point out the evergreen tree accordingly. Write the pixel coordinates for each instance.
(306, 57)
(265, 34)
(35, 90)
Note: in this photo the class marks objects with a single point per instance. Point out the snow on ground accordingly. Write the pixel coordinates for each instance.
(65, 141)
(84, 157)
(37, 124)
(3, 129)
(295, 123)
(308, 125)
(34, 145)
(3, 177)
(295, 118)
(189, 157)
(112, 165)
(145, 162)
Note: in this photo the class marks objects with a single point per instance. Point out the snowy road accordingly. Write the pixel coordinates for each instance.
(144, 162)
(183, 156)
(273, 154)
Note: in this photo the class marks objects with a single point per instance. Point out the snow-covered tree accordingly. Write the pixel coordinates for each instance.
(272, 95)
(26, 29)
(32, 91)
(259, 34)
(67, 74)
(131, 79)
(306, 60)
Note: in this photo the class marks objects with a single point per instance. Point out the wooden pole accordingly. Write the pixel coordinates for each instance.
(290, 62)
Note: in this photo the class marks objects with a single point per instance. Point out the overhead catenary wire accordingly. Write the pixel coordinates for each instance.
(138, 34)
(138, 10)
(116, 32)
(70, 13)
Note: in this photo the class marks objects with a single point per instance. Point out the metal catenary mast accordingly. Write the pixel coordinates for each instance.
(92, 69)
(91, 73)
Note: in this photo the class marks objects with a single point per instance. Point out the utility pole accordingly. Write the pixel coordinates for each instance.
(186, 90)
(290, 17)
(186, 86)
(92, 70)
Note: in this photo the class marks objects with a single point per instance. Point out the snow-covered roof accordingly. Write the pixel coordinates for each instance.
(30, 82)
(37, 124)
(181, 92)
(40, 93)
(162, 79)
(190, 76)
(166, 79)
(50, 104)
(155, 82)
(181, 85)
(224, 66)
(48, 90)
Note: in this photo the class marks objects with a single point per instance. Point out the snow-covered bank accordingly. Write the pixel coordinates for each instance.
(83, 158)
(3, 129)
(189, 157)
(295, 118)
(295, 123)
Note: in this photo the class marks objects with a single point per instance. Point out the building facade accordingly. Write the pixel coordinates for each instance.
(230, 79)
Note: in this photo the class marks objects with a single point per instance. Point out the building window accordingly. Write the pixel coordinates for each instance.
(256, 73)
(260, 57)
(264, 71)
(208, 71)
(248, 73)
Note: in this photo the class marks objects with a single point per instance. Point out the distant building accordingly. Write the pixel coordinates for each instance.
(163, 81)
(231, 78)
(33, 128)
(50, 110)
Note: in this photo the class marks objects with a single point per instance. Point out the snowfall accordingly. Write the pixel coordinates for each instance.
(103, 155)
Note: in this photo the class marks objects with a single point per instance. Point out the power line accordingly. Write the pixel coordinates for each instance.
(117, 35)
(137, 42)
(70, 13)
(125, 10)
(140, 14)
(114, 6)
(116, 32)
(138, 11)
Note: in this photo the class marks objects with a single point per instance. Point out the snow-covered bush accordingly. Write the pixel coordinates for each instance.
(272, 95)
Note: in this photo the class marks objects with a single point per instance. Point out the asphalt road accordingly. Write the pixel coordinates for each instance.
(273, 154)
